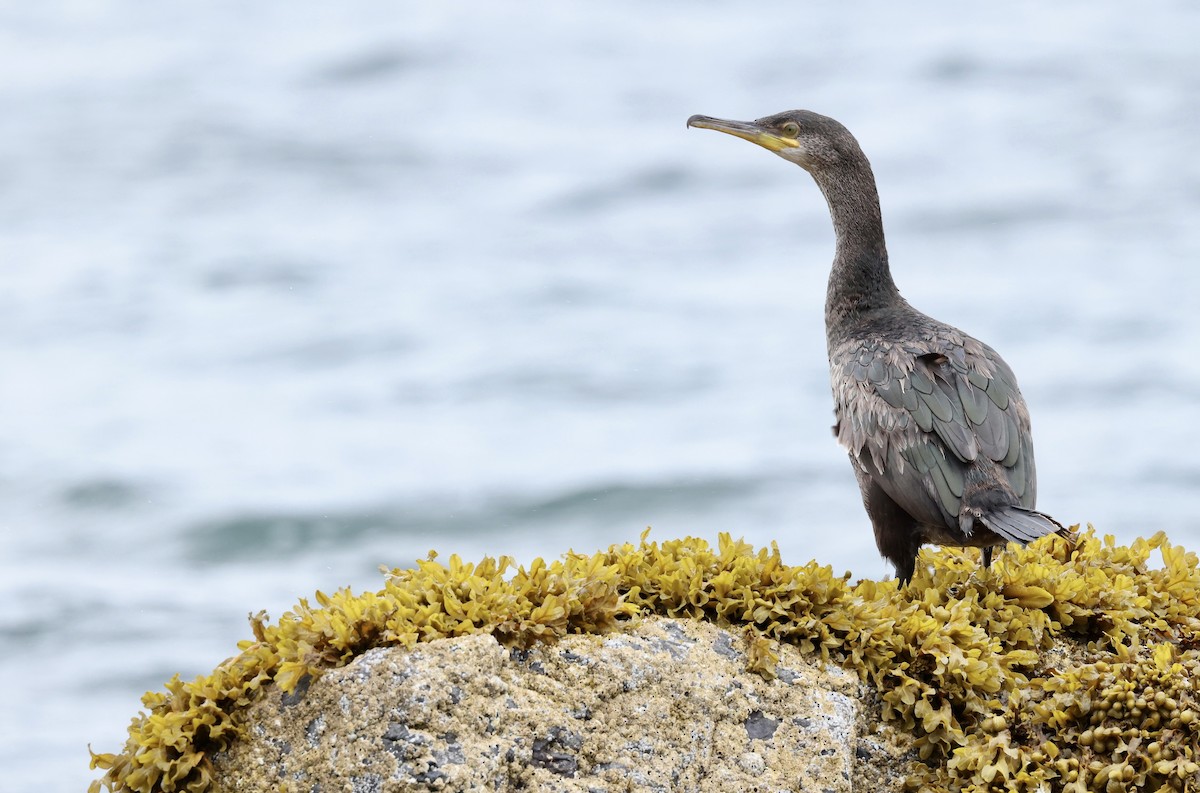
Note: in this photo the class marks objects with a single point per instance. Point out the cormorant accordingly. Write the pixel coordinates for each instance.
(937, 431)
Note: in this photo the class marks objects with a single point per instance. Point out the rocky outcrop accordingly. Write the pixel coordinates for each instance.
(664, 705)
(1064, 666)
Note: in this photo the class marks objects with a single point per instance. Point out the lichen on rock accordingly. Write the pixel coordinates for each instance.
(1059, 668)
(661, 706)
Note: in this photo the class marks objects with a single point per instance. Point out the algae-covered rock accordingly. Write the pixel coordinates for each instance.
(1064, 667)
(667, 705)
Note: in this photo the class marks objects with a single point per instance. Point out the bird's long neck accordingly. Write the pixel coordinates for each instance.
(860, 281)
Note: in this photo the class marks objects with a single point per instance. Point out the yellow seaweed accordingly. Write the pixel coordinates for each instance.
(1055, 669)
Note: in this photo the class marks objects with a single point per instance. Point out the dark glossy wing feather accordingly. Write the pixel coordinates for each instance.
(921, 413)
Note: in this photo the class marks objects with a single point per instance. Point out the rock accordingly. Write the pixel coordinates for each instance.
(665, 705)
(973, 685)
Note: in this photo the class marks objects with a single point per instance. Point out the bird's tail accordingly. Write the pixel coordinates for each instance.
(1018, 524)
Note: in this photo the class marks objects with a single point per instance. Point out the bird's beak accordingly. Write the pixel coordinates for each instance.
(749, 130)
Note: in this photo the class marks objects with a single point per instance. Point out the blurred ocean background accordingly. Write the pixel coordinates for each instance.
(292, 290)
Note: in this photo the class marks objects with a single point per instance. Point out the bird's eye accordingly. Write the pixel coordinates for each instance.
(791, 129)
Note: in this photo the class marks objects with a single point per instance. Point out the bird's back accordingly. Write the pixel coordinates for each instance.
(932, 414)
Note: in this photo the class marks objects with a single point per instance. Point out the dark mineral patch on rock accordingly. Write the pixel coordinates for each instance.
(454, 750)
(430, 775)
(404, 743)
(572, 658)
(313, 730)
(760, 727)
(723, 645)
(298, 693)
(557, 752)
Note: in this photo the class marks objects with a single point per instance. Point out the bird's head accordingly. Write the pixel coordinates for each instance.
(812, 141)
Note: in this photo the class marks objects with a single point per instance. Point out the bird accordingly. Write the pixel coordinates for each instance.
(935, 426)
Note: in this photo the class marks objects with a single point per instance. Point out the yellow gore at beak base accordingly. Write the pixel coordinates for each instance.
(747, 130)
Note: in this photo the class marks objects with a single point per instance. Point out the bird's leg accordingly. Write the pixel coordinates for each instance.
(987, 555)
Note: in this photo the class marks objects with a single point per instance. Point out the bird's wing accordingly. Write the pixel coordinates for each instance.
(922, 412)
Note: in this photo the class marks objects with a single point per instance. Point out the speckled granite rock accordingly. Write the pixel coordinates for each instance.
(667, 705)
